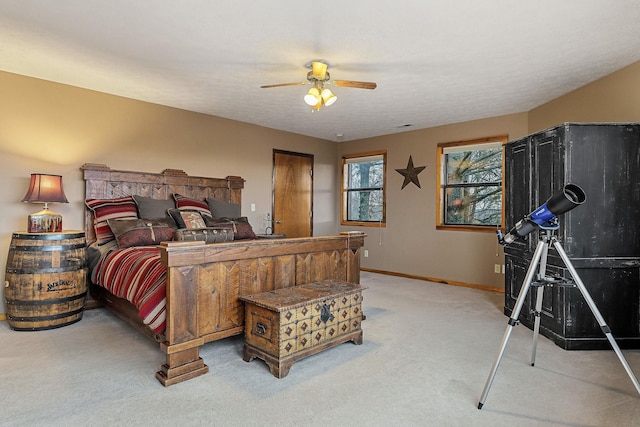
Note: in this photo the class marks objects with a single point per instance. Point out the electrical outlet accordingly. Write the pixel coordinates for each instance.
(497, 268)
(366, 253)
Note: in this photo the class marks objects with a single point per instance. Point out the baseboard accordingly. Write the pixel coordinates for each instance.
(3, 316)
(436, 280)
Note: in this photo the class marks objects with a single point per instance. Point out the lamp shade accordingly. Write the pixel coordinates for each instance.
(328, 97)
(319, 70)
(312, 97)
(45, 188)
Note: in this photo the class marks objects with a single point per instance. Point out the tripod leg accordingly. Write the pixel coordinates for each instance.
(536, 325)
(539, 298)
(592, 305)
(513, 320)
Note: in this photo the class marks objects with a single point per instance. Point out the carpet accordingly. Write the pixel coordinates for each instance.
(426, 355)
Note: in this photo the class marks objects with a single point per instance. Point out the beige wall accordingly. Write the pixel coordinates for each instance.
(613, 98)
(410, 244)
(52, 128)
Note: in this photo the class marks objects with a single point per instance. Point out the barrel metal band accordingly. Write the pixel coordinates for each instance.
(52, 317)
(45, 328)
(52, 248)
(43, 270)
(48, 301)
(48, 236)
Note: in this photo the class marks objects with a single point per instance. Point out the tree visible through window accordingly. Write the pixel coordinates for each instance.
(471, 183)
(363, 178)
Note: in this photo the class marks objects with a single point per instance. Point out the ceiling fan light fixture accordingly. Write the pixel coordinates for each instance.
(328, 97)
(318, 106)
(319, 70)
(313, 97)
(319, 96)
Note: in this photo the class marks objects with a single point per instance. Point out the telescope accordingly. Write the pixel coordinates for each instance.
(545, 216)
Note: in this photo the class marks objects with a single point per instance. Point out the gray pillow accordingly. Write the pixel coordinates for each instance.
(153, 208)
(223, 209)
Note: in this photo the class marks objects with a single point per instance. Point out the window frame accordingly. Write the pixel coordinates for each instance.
(345, 191)
(441, 186)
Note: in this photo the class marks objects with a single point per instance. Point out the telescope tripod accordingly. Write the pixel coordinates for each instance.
(540, 259)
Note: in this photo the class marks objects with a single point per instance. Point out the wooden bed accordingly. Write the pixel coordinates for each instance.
(204, 281)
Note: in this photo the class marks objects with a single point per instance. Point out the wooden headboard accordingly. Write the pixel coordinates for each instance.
(102, 182)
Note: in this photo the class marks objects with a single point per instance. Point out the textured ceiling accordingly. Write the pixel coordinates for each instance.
(435, 62)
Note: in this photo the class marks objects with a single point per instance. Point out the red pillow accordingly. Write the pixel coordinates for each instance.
(183, 202)
(106, 209)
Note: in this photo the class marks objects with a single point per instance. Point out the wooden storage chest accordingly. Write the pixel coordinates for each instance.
(285, 325)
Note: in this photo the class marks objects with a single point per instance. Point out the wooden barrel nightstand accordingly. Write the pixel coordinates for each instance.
(46, 280)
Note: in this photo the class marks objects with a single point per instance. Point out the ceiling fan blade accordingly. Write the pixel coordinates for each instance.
(285, 84)
(351, 83)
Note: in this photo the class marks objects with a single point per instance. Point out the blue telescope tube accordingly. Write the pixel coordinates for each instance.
(546, 215)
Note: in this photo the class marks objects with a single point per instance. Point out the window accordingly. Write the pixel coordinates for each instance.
(363, 198)
(470, 184)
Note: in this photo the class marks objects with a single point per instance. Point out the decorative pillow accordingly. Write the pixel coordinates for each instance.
(141, 232)
(153, 208)
(188, 203)
(188, 218)
(208, 235)
(95, 253)
(106, 209)
(242, 230)
(223, 209)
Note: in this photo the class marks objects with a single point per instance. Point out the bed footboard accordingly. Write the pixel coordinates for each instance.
(204, 282)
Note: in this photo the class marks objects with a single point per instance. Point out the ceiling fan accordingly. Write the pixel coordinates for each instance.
(319, 96)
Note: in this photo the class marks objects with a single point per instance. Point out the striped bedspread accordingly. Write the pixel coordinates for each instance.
(137, 275)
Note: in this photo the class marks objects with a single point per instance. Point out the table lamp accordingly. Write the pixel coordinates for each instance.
(45, 189)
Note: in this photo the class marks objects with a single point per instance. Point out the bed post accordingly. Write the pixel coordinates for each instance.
(235, 184)
(183, 340)
(355, 241)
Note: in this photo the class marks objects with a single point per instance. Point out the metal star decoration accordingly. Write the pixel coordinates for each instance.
(411, 173)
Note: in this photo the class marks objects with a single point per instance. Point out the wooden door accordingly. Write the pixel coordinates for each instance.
(292, 194)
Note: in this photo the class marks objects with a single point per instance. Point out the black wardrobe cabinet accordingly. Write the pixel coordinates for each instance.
(600, 236)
